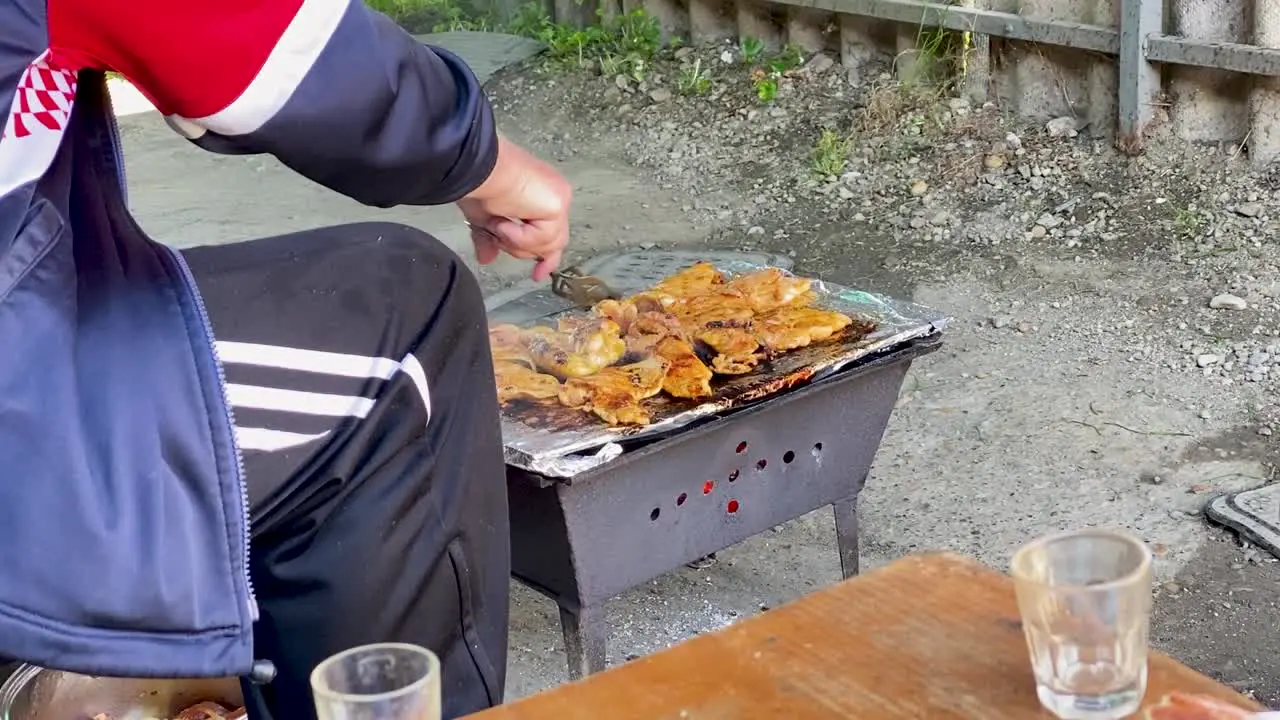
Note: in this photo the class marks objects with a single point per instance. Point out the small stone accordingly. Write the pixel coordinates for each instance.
(683, 53)
(1265, 431)
(1204, 415)
(1207, 359)
(755, 230)
(1249, 210)
(660, 95)
(1151, 478)
(918, 222)
(940, 220)
(1013, 141)
(999, 321)
(993, 162)
(1062, 127)
(919, 187)
(1227, 301)
(819, 64)
(1026, 328)
(1049, 221)
(1039, 231)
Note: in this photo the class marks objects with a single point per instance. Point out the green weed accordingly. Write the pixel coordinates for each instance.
(831, 153)
(693, 80)
(624, 45)
(765, 76)
(1189, 221)
(751, 49)
(433, 15)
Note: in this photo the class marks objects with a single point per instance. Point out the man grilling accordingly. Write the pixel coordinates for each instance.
(333, 386)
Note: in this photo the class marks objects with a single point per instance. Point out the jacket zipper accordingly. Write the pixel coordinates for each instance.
(207, 326)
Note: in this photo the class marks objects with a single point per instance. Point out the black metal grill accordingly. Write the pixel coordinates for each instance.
(583, 540)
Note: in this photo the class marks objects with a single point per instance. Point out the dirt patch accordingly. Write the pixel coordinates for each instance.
(1218, 616)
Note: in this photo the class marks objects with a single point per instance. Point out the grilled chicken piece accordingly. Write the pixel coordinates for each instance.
(517, 381)
(622, 312)
(687, 375)
(1185, 706)
(771, 288)
(579, 347)
(506, 343)
(614, 394)
(737, 350)
(723, 306)
(646, 329)
(693, 280)
(788, 328)
(204, 711)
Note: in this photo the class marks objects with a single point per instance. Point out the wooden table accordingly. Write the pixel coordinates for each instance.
(932, 636)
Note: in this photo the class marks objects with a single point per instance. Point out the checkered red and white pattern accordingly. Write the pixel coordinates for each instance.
(43, 100)
(35, 124)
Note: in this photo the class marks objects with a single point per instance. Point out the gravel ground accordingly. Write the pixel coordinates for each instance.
(1110, 361)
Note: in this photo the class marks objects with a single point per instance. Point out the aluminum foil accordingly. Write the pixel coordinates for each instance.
(559, 442)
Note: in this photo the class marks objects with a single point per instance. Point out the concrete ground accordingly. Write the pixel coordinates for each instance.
(1034, 417)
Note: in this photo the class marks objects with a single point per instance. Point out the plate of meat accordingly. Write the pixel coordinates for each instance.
(1186, 706)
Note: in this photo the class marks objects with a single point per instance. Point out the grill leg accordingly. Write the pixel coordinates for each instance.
(584, 639)
(847, 535)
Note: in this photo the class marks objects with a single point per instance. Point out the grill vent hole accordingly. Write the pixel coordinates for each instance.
(761, 464)
(680, 500)
(732, 507)
(742, 447)
(708, 486)
(653, 516)
(817, 449)
(734, 475)
(788, 456)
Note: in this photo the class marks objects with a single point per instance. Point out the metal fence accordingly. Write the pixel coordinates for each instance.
(1118, 54)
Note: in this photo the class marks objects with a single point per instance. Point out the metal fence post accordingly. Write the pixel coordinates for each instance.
(1139, 78)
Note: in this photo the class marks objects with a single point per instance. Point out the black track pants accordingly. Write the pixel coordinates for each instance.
(358, 368)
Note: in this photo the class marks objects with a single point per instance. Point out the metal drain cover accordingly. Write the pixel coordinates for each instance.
(625, 271)
(1255, 514)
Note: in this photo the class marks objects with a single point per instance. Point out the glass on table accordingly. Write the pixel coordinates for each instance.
(1085, 600)
(388, 681)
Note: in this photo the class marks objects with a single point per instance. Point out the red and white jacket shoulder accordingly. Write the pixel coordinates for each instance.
(334, 90)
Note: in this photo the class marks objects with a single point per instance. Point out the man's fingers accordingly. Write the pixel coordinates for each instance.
(543, 240)
(541, 237)
(542, 270)
(487, 247)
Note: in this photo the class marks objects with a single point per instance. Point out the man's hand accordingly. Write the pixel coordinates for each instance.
(522, 210)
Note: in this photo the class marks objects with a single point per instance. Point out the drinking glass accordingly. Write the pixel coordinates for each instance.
(388, 681)
(1085, 599)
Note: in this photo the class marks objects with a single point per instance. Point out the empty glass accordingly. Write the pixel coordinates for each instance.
(1085, 599)
(389, 681)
